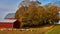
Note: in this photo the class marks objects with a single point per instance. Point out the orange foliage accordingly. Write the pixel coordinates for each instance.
(37, 14)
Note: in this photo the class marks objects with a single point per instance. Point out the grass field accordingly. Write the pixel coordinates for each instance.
(54, 30)
(39, 30)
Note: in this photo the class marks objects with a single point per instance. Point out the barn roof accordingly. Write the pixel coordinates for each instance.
(10, 15)
(7, 21)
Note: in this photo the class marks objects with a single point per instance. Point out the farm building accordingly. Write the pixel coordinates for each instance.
(9, 21)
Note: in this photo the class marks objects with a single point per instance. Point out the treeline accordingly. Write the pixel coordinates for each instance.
(37, 15)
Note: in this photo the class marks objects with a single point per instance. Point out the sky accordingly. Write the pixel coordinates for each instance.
(10, 6)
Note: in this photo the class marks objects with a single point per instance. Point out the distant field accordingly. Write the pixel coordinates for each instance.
(39, 30)
(54, 30)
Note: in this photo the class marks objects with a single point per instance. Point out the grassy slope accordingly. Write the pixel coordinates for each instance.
(55, 30)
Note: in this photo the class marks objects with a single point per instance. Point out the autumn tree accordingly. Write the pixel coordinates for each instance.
(52, 14)
(41, 14)
(33, 14)
(20, 13)
(54, 11)
(28, 15)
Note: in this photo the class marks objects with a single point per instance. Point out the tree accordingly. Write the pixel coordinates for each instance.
(34, 14)
(29, 16)
(52, 14)
(41, 14)
(20, 13)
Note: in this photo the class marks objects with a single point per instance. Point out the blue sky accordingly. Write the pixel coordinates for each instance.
(10, 6)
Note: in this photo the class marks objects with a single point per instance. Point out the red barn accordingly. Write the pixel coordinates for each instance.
(9, 21)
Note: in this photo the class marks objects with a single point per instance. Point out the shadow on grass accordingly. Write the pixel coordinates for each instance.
(36, 26)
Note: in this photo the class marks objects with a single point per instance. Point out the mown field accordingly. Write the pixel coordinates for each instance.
(38, 30)
(54, 30)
